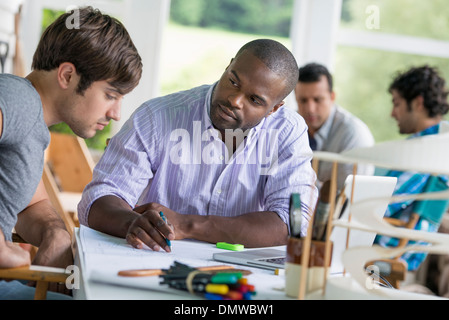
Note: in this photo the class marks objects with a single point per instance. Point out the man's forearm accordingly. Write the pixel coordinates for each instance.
(111, 215)
(257, 229)
(114, 216)
(40, 221)
(40, 225)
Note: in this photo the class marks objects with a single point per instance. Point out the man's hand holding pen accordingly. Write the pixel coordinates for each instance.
(150, 228)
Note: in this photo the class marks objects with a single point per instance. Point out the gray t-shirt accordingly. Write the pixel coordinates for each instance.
(23, 142)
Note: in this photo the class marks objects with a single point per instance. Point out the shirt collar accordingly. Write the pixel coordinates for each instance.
(323, 133)
(430, 130)
(207, 102)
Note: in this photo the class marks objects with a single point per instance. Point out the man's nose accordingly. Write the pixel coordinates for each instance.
(310, 106)
(393, 113)
(114, 112)
(236, 100)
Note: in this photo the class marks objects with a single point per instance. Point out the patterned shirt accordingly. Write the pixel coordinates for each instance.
(169, 152)
(410, 183)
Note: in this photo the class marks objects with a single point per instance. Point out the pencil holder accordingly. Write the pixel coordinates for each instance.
(315, 270)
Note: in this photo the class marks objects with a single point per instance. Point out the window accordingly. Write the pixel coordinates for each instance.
(203, 36)
(376, 40)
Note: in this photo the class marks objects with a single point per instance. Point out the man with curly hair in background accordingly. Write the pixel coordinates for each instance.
(420, 102)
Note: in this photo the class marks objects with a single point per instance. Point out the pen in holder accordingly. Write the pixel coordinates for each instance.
(315, 272)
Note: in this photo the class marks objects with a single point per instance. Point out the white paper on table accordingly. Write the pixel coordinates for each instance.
(104, 256)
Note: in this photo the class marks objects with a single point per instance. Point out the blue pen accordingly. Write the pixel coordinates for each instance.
(165, 220)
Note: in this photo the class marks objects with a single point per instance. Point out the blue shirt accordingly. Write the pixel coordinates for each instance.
(169, 152)
(410, 183)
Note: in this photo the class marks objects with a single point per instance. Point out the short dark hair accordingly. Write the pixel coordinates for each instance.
(312, 72)
(277, 58)
(423, 81)
(100, 48)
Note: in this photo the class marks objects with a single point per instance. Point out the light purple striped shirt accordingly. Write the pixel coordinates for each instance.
(168, 152)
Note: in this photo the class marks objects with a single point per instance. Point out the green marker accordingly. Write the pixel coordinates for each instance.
(226, 278)
(228, 246)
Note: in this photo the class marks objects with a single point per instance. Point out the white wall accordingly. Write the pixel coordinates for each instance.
(8, 9)
(313, 34)
(314, 31)
(145, 21)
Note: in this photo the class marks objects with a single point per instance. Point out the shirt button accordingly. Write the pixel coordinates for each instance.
(221, 157)
(219, 191)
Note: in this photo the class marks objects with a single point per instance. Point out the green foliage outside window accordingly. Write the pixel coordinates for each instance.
(267, 17)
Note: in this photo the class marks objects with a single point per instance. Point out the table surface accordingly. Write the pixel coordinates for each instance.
(105, 284)
(99, 257)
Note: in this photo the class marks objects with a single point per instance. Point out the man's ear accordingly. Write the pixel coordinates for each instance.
(275, 108)
(67, 75)
(418, 102)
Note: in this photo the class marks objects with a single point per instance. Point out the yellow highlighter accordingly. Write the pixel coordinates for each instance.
(217, 288)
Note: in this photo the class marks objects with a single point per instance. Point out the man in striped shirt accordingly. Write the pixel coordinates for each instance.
(220, 161)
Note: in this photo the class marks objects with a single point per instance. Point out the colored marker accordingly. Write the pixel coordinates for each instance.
(234, 295)
(229, 246)
(217, 288)
(226, 278)
(213, 296)
(165, 220)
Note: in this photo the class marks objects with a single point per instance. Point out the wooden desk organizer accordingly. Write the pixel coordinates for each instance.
(315, 271)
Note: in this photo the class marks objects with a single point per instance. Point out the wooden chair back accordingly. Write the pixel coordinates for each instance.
(68, 169)
(70, 161)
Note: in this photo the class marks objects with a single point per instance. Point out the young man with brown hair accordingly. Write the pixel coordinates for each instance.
(79, 77)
